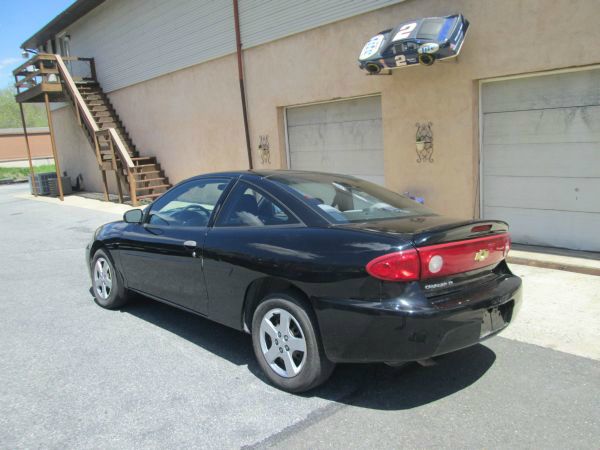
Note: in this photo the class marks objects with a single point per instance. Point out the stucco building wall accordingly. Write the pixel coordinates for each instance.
(192, 121)
(75, 154)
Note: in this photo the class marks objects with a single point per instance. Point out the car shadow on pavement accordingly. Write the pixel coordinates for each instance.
(374, 386)
(387, 388)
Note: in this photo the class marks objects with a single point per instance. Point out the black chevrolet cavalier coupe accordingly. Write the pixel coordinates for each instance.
(318, 268)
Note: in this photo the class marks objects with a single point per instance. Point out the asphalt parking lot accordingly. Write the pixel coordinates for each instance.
(76, 376)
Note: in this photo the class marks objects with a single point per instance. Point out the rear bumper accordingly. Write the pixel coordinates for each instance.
(393, 330)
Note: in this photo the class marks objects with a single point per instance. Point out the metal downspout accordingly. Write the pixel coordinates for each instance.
(238, 44)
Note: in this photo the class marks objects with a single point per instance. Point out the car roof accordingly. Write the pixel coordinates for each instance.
(279, 173)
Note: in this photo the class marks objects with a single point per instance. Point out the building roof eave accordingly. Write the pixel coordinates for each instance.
(77, 10)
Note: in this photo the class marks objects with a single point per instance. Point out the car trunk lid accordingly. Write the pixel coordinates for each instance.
(450, 252)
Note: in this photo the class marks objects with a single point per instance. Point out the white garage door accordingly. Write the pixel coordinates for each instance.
(541, 158)
(340, 137)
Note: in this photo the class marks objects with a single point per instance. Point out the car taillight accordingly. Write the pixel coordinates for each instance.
(440, 260)
(400, 266)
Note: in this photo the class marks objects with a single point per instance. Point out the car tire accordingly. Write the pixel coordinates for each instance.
(107, 283)
(426, 59)
(290, 353)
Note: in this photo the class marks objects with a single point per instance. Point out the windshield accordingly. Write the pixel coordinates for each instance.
(343, 199)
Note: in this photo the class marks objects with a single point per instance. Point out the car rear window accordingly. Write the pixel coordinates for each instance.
(343, 199)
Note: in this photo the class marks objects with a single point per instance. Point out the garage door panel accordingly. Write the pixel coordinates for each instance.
(555, 160)
(342, 111)
(545, 126)
(343, 137)
(342, 161)
(542, 92)
(565, 194)
(572, 230)
(541, 158)
(336, 136)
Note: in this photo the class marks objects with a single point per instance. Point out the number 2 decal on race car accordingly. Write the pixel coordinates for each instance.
(400, 60)
(404, 31)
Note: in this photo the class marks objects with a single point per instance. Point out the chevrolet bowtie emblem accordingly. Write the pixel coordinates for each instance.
(482, 254)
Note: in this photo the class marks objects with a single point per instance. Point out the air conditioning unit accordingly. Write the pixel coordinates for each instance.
(41, 182)
(66, 185)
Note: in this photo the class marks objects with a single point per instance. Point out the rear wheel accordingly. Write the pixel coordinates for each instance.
(106, 282)
(287, 345)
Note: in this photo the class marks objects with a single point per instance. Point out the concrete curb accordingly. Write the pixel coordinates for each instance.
(81, 202)
(538, 261)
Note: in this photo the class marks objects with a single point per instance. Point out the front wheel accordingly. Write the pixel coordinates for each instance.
(286, 344)
(426, 59)
(106, 282)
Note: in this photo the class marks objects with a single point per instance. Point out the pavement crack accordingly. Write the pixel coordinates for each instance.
(318, 415)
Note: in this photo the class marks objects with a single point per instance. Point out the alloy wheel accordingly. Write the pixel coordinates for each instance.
(282, 342)
(103, 278)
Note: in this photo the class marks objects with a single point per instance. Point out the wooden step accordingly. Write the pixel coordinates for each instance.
(92, 96)
(164, 180)
(149, 196)
(150, 188)
(87, 83)
(135, 173)
(144, 158)
(105, 119)
(104, 113)
(99, 108)
(86, 92)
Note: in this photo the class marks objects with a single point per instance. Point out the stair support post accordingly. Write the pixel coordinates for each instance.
(33, 183)
(105, 185)
(102, 171)
(115, 167)
(54, 154)
(132, 187)
(78, 114)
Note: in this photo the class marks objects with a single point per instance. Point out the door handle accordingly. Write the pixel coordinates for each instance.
(190, 245)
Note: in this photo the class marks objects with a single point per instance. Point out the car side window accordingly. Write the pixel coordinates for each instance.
(189, 205)
(248, 207)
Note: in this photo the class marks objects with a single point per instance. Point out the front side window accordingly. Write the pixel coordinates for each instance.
(247, 206)
(189, 205)
(344, 199)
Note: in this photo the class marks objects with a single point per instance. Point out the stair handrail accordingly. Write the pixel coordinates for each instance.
(80, 106)
(116, 143)
(114, 139)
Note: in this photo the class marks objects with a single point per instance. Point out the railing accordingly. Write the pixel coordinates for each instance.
(116, 143)
(81, 109)
(41, 72)
(48, 70)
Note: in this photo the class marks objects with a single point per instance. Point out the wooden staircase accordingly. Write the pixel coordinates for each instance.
(46, 77)
(151, 180)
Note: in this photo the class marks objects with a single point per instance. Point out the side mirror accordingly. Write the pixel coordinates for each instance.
(133, 216)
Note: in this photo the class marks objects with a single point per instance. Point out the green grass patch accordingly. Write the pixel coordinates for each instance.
(17, 173)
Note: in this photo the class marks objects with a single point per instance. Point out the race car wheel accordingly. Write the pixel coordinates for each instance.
(426, 59)
(373, 69)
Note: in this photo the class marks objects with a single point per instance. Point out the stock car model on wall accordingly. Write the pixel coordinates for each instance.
(420, 41)
(318, 268)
